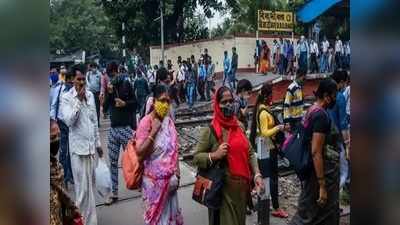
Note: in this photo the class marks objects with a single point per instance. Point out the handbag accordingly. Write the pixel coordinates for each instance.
(296, 148)
(209, 183)
(132, 166)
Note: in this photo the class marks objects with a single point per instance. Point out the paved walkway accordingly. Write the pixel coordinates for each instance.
(128, 210)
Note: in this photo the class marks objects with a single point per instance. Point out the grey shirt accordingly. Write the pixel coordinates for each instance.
(93, 80)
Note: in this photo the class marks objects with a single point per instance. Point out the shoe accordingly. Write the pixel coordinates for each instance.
(280, 213)
(111, 200)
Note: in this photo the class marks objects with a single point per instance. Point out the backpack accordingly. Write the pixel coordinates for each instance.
(296, 148)
(132, 166)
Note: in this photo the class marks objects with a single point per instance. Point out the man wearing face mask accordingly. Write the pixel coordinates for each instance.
(293, 107)
(244, 88)
(79, 114)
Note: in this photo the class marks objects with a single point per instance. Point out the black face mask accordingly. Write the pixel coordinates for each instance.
(54, 146)
(228, 110)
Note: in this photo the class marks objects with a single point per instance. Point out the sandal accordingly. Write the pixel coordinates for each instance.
(280, 213)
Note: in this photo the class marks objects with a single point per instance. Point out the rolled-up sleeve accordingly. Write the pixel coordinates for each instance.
(201, 159)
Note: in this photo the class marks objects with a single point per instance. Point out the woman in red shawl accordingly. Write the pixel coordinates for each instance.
(225, 139)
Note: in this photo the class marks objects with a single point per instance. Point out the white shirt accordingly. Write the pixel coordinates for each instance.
(325, 46)
(181, 73)
(314, 48)
(151, 77)
(347, 49)
(338, 46)
(81, 118)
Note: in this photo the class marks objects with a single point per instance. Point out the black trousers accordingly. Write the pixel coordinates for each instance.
(201, 89)
(273, 184)
(313, 64)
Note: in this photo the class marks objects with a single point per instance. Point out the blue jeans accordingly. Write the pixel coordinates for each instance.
(232, 78)
(303, 61)
(190, 92)
(226, 77)
(209, 86)
(324, 63)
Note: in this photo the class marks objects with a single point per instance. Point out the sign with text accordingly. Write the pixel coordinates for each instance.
(275, 21)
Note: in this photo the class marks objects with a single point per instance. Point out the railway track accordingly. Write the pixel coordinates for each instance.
(184, 119)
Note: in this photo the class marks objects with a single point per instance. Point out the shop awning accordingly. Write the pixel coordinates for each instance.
(314, 8)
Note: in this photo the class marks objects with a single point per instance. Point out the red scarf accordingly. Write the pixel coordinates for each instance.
(238, 152)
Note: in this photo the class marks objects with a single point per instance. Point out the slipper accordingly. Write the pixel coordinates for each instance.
(280, 213)
(111, 200)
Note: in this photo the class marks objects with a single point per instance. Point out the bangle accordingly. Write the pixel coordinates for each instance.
(257, 175)
(151, 138)
(209, 157)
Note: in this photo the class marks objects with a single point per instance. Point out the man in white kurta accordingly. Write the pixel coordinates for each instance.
(79, 110)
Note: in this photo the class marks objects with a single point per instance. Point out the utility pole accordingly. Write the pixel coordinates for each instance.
(162, 30)
(123, 43)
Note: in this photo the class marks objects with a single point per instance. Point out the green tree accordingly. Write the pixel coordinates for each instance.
(195, 28)
(142, 28)
(79, 25)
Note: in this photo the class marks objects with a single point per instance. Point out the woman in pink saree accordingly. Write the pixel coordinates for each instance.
(157, 144)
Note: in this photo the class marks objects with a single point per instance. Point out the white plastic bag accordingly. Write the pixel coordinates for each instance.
(103, 178)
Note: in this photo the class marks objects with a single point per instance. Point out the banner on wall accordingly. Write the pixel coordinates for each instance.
(275, 21)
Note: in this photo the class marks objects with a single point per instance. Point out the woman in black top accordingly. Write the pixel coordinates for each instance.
(319, 199)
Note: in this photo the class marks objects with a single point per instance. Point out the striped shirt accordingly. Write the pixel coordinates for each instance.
(293, 107)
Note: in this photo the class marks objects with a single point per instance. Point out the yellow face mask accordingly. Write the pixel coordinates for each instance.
(161, 108)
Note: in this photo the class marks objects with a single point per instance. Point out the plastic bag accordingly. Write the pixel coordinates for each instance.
(103, 178)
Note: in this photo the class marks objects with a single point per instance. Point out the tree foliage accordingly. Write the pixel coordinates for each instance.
(195, 28)
(79, 25)
(142, 29)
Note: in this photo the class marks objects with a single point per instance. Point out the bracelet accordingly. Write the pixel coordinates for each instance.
(209, 157)
(151, 138)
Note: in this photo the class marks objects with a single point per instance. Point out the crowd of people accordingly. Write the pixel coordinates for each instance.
(143, 109)
(285, 57)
